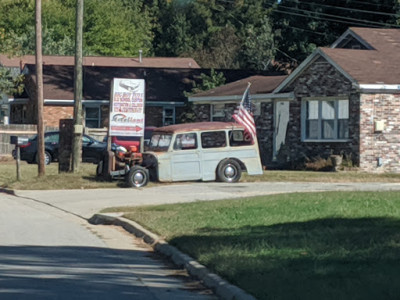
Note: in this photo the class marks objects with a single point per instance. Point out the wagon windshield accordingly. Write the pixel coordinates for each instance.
(159, 142)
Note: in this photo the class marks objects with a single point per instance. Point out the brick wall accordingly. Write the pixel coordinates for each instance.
(380, 146)
(53, 114)
(321, 79)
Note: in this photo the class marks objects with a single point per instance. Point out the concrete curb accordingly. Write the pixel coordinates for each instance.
(221, 287)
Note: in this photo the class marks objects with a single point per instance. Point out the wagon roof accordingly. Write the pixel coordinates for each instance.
(199, 126)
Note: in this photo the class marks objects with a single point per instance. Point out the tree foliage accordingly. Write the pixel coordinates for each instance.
(301, 26)
(208, 82)
(247, 34)
(11, 84)
(113, 27)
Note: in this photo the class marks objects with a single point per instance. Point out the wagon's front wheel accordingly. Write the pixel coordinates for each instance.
(137, 177)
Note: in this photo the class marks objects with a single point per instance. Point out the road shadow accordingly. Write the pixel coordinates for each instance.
(332, 258)
(43, 272)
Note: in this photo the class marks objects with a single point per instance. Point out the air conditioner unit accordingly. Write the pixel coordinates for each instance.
(379, 126)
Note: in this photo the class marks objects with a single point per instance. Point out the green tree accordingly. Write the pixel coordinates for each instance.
(219, 34)
(301, 26)
(258, 48)
(223, 50)
(10, 84)
(207, 82)
(115, 27)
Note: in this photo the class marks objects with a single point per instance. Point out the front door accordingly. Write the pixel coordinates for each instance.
(185, 158)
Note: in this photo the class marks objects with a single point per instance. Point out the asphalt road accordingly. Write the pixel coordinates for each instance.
(49, 253)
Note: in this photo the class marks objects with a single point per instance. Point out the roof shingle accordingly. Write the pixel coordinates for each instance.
(259, 85)
(104, 61)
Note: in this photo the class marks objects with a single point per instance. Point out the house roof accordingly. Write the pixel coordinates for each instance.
(162, 84)
(383, 40)
(259, 85)
(377, 65)
(103, 61)
(367, 66)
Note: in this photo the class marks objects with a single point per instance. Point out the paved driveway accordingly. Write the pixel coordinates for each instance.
(50, 253)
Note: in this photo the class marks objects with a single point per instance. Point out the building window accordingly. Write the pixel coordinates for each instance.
(218, 112)
(168, 116)
(326, 119)
(92, 117)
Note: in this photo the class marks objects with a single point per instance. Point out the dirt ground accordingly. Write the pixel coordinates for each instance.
(7, 158)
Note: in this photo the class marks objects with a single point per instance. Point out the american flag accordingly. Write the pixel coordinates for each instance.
(243, 115)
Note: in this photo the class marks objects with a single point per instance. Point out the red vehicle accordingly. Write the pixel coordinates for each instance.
(128, 141)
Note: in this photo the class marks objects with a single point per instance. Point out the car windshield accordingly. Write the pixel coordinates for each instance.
(159, 142)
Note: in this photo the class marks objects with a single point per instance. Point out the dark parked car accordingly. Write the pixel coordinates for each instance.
(92, 150)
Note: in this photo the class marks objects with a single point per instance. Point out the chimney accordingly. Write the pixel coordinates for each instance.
(140, 55)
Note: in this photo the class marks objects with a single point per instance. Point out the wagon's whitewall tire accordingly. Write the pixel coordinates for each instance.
(229, 170)
(137, 177)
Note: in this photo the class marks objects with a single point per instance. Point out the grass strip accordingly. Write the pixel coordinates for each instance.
(86, 178)
(333, 245)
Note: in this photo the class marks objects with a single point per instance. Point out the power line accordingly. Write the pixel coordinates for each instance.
(287, 55)
(324, 19)
(367, 22)
(350, 9)
(368, 3)
(307, 30)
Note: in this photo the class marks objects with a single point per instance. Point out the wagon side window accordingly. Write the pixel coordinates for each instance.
(213, 139)
(185, 141)
(239, 138)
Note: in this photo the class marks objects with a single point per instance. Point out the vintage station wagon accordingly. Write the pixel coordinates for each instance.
(197, 151)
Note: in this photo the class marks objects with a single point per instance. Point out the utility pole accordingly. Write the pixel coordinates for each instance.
(78, 128)
(39, 89)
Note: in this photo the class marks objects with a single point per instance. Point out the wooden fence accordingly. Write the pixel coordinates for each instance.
(23, 130)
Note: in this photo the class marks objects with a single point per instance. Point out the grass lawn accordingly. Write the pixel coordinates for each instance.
(333, 245)
(86, 178)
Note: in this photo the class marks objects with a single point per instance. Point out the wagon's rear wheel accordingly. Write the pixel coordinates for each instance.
(229, 171)
(137, 177)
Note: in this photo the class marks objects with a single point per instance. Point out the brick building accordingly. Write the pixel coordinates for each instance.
(166, 81)
(343, 100)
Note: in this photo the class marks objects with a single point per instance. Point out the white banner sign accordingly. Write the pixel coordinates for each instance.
(127, 107)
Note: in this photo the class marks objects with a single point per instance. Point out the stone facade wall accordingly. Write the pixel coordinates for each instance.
(265, 132)
(154, 116)
(203, 112)
(380, 150)
(321, 79)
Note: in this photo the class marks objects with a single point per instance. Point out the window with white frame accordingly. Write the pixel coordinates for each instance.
(92, 117)
(325, 119)
(218, 112)
(168, 116)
